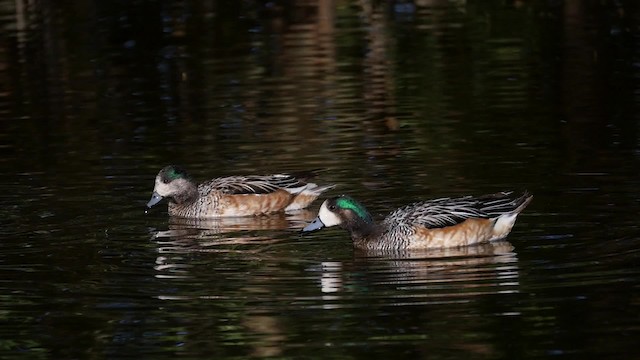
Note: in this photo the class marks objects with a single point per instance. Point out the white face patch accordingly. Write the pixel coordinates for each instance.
(328, 217)
(161, 188)
(169, 189)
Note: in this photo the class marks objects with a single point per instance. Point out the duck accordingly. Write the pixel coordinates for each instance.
(438, 223)
(233, 196)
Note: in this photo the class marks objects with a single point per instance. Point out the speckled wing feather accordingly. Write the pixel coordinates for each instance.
(253, 184)
(451, 211)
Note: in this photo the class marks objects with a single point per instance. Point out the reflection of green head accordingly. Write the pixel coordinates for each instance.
(346, 202)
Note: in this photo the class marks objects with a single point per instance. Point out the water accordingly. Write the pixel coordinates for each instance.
(398, 102)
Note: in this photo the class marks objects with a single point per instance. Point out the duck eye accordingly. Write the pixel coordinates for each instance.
(332, 207)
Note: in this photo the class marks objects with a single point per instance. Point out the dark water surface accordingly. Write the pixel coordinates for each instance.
(398, 102)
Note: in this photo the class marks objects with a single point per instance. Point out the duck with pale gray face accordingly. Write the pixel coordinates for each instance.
(439, 223)
(233, 195)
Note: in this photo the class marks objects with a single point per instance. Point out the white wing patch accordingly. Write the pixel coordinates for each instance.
(451, 211)
(255, 184)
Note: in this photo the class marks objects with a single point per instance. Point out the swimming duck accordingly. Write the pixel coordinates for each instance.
(439, 223)
(233, 195)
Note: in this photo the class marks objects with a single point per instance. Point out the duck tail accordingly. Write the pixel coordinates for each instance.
(504, 203)
(504, 222)
(522, 202)
(316, 189)
(306, 196)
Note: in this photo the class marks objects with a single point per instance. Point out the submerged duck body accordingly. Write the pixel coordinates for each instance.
(439, 223)
(233, 195)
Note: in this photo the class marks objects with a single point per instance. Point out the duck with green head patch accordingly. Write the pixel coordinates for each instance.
(439, 223)
(233, 195)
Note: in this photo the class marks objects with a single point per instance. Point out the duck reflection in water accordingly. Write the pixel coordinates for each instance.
(423, 276)
(208, 234)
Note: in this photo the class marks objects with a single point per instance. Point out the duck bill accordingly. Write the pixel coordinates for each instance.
(155, 198)
(316, 224)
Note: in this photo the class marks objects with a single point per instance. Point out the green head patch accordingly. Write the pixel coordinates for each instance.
(171, 173)
(346, 202)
